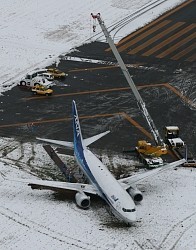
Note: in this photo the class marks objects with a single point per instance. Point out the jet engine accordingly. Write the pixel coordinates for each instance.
(82, 200)
(135, 193)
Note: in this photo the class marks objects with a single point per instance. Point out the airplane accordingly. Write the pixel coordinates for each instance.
(121, 195)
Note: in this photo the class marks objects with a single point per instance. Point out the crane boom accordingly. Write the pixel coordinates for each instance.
(141, 103)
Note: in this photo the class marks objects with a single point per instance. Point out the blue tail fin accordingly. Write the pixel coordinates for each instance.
(76, 128)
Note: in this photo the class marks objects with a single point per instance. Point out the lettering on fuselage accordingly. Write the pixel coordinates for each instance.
(77, 125)
(114, 197)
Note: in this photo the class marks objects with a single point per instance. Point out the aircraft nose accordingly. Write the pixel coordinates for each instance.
(132, 217)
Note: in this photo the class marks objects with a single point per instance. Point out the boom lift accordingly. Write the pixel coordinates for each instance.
(149, 154)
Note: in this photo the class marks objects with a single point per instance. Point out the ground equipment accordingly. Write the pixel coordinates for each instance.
(148, 149)
(172, 138)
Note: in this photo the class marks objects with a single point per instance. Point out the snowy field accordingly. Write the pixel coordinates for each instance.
(33, 219)
(33, 34)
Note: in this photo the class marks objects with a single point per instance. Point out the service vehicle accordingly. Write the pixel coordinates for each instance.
(47, 76)
(190, 163)
(172, 138)
(33, 78)
(41, 90)
(149, 155)
(149, 150)
(57, 73)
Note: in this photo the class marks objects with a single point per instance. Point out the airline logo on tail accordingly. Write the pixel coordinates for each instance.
(76, 128)
(77, 125)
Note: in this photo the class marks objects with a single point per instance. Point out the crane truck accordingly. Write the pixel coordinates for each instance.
(148, 154)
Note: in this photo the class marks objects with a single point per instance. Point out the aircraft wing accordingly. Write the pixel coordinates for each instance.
(61, 143)
(59, 186)
(135, 179)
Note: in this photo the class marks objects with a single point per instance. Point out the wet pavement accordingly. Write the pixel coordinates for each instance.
(105, 101)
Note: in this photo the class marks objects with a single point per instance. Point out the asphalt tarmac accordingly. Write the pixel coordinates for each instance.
(105, 101)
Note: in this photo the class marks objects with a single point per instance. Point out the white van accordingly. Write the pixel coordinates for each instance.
(35, 78)
(47, 76)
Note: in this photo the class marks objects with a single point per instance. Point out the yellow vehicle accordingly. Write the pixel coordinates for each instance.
(147, 148)
(41, 90)
(150, 155)
(56, 73)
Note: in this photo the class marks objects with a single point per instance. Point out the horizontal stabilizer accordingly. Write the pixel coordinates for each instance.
(60, 143)
(94, 138)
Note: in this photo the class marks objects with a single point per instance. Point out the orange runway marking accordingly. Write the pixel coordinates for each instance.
(33, 123)
(184, 98)
(94, 91)
(79, 93)
(105, 67)
(128, 118)
(169, 40)
(155, 38)
(167, 85)
(145, 34)
(137, 125)
(152, 85)
(124, 115)
(184, 52)
(171, 88)
(95, 68)
(152, 23)
(176, 46)
(191, 58)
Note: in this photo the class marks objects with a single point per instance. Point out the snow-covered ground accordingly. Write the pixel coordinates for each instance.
(33, 34)
(33, 219)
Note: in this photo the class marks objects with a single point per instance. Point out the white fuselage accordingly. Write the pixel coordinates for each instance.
(120, 202)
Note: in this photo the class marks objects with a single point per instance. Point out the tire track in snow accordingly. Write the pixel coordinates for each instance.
(31, 225)
(177, 231)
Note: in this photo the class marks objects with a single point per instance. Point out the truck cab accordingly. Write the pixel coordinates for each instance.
(172, 138)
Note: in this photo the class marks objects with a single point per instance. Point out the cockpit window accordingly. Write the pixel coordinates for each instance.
(128, 210)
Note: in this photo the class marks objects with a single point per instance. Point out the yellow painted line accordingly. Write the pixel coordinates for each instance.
(31, 123)
(184, 52)
(178, 93)
(105, 67)
(95, 68)
(93, 91)
(192, 58)
(153, 23)
(143, 35)
(176, 46)
(152, 85)
(78, 93)
(124, 115)
(137, 125)
(167, 85)
(169, 40)
(155, 38)
(128, 118)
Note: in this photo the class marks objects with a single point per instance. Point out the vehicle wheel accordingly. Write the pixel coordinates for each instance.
(34, 92)
(23, 83)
